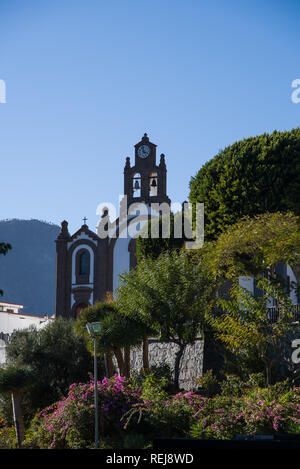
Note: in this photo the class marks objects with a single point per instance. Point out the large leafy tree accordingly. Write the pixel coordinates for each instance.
(252, 176)
(246, 328)
(57, 356)
(254, 246)
(119, 333)
(169, 294)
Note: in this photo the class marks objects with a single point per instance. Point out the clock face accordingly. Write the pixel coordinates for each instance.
(143, 151)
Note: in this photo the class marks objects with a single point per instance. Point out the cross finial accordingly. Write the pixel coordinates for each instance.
(84, 220)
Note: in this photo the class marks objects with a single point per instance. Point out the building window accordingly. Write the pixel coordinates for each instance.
(84, 263)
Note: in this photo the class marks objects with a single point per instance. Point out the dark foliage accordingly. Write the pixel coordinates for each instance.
(253, 176)
(57, 357)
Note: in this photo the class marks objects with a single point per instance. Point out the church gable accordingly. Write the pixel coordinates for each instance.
(89, 266)
(84, 233)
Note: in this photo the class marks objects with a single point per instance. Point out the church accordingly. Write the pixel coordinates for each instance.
(88, 265)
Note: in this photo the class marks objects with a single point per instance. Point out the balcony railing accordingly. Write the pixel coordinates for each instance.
(274, 313)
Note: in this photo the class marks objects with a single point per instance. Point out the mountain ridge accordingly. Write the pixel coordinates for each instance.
(27, 271)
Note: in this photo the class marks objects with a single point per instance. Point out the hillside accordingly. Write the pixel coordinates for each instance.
(27, 272)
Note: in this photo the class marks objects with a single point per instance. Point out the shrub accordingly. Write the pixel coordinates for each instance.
(271, 410)
(165, 417)
(130, 416)
(7, 435)
(70, 422)
(208, 384)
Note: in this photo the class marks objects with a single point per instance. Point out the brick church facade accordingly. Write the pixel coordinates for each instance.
(87, 265)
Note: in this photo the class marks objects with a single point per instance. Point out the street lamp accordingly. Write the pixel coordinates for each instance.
(95, 328)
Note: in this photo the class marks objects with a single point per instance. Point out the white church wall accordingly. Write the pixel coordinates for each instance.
(121, 257)
(121, 260)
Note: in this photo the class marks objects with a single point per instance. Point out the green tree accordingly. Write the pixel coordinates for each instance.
(57, 356)
(150, 246)
(14, 380)
(168, 294)
(246, 327)
(4, 247)
(251, 247)
(253, 176)
(254, 246)
(119, 333)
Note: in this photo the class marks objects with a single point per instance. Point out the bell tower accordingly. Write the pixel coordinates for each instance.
(146, 181)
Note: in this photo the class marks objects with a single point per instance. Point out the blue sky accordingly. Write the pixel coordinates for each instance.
(86, 79)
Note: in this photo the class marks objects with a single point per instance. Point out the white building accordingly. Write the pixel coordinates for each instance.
(11, 319)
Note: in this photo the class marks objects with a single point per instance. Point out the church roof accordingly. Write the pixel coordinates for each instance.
(85, 229)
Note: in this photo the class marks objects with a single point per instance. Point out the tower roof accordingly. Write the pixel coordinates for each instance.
(145, 139)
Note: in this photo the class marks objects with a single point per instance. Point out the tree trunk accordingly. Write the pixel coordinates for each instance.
(120, 360)
(127, 361)
(110, 366)
(177, 365)
(146, 353)
(18, 416)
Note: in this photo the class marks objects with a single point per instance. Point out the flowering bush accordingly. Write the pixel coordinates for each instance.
(133, 415)
(70, 422)
(7, 435)
(165, 416)
(271, 410)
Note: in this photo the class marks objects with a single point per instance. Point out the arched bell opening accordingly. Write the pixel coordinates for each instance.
(153, 184)
(136, 185)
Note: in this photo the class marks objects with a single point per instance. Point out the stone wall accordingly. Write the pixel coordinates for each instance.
(164, 352)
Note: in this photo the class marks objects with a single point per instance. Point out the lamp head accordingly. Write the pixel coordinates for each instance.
(94, 328)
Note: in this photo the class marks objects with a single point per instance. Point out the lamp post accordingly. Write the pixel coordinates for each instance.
(95, 328)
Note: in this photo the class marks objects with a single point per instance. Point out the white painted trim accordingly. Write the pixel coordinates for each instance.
(79, 237)
(88, 248)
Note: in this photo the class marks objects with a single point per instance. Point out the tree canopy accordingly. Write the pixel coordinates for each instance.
(253, 246)
(168, 294)
(253, 176)
(57, 357)
(150, 246)
(245, 325)
(15, 378)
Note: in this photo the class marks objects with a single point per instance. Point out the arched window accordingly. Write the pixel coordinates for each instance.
(84, 263)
